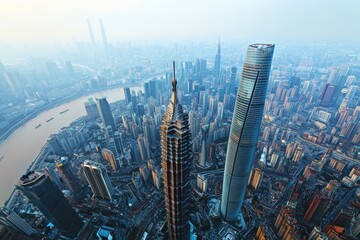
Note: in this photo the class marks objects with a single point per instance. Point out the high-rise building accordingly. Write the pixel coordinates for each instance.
(105, 113)
(48, 198)
(103, 36)
(127, 94)
(255, 178)
(109, 156)
(317, 207)
(217, 60)
(204, 153)
(91, 34)
(245, 127)
(232, 85)
(67, 174)
(98, 180)
(14, 221)
(91, 109)
(176, 152)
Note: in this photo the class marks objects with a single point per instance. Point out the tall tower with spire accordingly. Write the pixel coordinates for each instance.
(175, 154)
(217, 60)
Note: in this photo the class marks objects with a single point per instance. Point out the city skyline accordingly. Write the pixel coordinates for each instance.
(238, 140)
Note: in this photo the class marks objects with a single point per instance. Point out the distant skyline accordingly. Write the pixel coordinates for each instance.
(39, 22)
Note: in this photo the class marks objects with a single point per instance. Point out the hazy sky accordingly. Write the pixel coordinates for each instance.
(47, 21)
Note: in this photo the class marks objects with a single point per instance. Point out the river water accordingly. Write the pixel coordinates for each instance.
(25, 143)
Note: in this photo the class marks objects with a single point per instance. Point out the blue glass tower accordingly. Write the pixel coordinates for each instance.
(245, 127)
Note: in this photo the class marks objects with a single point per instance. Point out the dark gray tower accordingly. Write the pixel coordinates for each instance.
(245, 127)
(217, 60)
(105, 113)
(175, 154)
(48, 198)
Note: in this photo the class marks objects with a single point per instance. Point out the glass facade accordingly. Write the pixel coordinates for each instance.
(245, 127)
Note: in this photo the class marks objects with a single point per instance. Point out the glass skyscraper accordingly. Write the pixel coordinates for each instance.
(245, 127)
(105, 113)
(49, 199)
(175, 154)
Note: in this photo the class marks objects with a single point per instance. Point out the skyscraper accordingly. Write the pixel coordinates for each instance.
(217, 60)
(66, 171)
(91, 34)
(48, 198)
(14, 221)
(245, 127)
(103, 36)
(127, 94)
(105, 113)
(98, 179)
(175, 154)
(91, 109)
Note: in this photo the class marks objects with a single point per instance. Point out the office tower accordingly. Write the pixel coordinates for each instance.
(66, 171)
(204, 153)
(91, 33)
(147, 90)
(153, 88)
(50, 171)
(245, 127)
(317, 207)
(105, 113)
(109, 156)
(217, 60)
(119, 145)
(127, 94)
(91, 109)
(48, 198)
(14, 221)
(144, 149)
(103, 36)
(98, 180)
(176, 152)
(255, 178)
(232, 86)
(327, 95)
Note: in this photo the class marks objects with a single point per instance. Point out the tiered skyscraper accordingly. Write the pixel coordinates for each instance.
(245, 127)
(176, 153)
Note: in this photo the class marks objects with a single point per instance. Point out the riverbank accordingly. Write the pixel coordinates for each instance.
(53, 104)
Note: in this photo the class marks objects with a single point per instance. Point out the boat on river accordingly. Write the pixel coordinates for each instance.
(49, 119)
(64, 111)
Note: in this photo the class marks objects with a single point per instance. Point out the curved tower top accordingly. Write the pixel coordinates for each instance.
(245, 127)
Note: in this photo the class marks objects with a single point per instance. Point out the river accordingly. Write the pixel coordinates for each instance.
(22, 146)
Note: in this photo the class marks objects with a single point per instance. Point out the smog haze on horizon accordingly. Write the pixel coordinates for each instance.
(39, 22)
